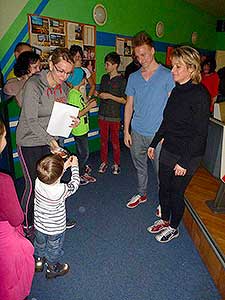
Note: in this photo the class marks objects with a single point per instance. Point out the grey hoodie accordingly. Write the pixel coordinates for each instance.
(38, 100)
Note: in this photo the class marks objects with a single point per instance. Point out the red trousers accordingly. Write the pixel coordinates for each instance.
(109, 128)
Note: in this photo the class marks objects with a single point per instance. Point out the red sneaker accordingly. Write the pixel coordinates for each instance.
(89, 178)
(88, 170)
(158, 226)
(103, 167)
(136, 200)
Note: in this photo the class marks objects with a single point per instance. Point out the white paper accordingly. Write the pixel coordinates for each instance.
(120, 46)
(89, 35)
(60, 120)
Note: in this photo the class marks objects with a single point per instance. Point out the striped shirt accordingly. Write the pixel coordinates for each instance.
(49, 204)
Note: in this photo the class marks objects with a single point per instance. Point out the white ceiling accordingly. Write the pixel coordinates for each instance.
(213, 7)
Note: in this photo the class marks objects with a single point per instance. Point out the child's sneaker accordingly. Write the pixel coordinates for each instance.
(136, 200)
(103, 167)
(89, 178)
(70, 223)
(56, 270)
(29, 232)
(83, 181)
(88, 170)
(167, 235)
(39, 264)
(158, 226)
(115, 169)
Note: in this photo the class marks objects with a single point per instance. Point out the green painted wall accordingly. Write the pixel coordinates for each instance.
(126, 18)
(220, 40)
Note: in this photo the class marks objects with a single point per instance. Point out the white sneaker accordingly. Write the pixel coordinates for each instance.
(167, 235)
(115, 169)
(103, 167)
(136, 200)
(158, 226)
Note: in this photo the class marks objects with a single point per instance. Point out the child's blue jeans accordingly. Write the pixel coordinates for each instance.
(49, 246)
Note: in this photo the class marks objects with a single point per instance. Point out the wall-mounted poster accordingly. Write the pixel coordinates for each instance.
(168, 54)
(124, 49)
(48, 33)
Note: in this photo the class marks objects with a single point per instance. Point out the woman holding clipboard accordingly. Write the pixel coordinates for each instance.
(32, 138)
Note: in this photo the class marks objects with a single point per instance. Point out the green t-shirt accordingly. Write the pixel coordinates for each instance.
(75, 98)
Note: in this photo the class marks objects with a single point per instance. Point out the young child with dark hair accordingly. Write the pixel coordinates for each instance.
(78, 55)
(80, 133)
(50, 212)
(112, 95)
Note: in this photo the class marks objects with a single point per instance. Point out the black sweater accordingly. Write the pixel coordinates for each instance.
(185, 122)
(109, 109)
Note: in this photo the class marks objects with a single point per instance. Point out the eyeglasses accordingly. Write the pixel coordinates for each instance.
(62, 71)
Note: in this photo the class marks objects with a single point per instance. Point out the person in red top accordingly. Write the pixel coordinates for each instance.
(16, 252)
(210, 79)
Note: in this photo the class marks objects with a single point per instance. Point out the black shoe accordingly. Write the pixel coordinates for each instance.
(29, 233)
(70, 224)
(56, 270)
(28, 230)
(39, 264)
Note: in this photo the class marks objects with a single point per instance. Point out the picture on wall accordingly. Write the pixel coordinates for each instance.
(57, 40)
(57, 26)
(124, 49)
(39, 25)
(127, 48)
(168, 54)
(78, 32)
(89, 35)
(48, 33)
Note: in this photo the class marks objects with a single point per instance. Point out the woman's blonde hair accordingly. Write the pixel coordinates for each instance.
(50, 168)
(191, 58)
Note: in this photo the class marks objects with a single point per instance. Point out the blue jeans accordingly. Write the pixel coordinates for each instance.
(49, 246)
(139, 149)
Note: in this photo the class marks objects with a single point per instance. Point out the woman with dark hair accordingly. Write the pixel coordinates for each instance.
(27, 64)
(210, 79)
(16, 252)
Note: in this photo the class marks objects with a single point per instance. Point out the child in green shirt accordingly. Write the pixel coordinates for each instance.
(77, 80)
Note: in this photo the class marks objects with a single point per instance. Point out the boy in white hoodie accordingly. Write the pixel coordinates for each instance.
(50, 211)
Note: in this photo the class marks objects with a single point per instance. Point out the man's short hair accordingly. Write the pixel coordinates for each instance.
(142, 38)
(20, 45)
(113, 58)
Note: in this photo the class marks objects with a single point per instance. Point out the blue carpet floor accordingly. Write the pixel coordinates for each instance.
(113, 257)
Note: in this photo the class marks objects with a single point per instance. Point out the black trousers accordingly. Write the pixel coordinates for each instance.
(172, 188)
(29, 157)
(82, 151)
